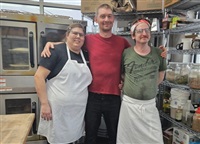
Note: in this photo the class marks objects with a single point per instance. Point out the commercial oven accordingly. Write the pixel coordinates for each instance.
(22, 38)
(18, 101)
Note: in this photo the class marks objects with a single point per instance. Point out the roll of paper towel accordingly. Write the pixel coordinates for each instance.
(186, 45)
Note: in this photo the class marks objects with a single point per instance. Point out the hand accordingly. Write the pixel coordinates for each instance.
(121, 85)
(46, 113)
(46, 52)
(164, 51)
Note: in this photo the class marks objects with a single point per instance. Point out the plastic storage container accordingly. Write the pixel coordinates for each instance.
(196, 120)
(178, 98)
(194, 76)
(190, 118)
(170, 72)
(181, 73)
(186, 110)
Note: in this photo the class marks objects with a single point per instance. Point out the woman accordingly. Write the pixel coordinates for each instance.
(61, 82)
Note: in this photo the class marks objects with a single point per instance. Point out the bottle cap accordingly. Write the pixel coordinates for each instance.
(198, 110)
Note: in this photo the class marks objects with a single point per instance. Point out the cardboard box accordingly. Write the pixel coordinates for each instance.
(90, 6)
(168, 135)
(170, 2)
(143, 5)
(181, 136)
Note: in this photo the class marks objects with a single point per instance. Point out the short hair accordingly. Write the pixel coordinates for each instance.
(104, 5)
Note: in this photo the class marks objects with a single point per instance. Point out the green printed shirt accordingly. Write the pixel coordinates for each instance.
(141, 73)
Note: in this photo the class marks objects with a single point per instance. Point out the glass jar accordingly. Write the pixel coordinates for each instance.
(181, 73)
(194, 76)
(170, 72)
(196, 120)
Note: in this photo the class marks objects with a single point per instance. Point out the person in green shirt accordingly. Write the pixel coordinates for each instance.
(143, 69)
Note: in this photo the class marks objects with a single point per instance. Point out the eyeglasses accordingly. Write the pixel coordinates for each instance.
(77, 33)
(140, 31)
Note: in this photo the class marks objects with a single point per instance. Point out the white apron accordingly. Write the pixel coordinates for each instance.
(139, 122)
(67, 95)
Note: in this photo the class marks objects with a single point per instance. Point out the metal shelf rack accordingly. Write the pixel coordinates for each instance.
(128, 33)
(179, 124)
(193, 27)
(189, 51)
(131, 15)
(185, 87)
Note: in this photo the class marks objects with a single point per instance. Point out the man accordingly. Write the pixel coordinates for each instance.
(105, 53)
(143, 69)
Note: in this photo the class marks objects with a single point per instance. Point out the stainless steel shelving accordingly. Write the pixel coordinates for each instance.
(189, 51)
(189, 28)
(179, 124)
(185, 87)
(131, 15)
(167, 117)
(128, 33)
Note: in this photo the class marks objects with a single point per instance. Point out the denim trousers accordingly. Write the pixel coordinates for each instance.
(98, 105)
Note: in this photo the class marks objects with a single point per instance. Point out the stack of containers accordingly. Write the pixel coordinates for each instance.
(179, 98)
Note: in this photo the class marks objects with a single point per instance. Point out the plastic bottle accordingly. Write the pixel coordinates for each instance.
(190, 118)
(196, 120)
(186, 111)
(178, 116)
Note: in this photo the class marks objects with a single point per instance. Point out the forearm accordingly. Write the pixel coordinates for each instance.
(160, 77)
(40, 84)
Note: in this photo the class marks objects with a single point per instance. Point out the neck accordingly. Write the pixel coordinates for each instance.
(105, 34)
(74, 49)
(142, 49)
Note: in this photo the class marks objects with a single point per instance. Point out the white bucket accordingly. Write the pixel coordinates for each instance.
(178, 97)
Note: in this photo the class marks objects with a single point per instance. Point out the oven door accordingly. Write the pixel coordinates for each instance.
(18, 48)
(50, 33)
(17, 103)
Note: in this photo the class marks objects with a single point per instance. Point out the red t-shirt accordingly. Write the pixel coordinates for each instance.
(105, 62)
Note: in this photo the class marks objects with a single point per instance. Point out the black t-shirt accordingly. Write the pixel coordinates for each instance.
(58, 58)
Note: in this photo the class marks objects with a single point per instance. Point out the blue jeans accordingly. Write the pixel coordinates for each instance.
(98, 104)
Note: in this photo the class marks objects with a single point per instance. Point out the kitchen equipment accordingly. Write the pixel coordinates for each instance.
(22, 38)
(21, 101)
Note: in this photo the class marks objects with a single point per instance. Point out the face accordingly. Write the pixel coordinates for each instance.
(75, 38)
(105, 19)
(142, 33)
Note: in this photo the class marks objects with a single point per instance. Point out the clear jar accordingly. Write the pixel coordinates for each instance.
(181, 73)
(196, 120)
(170, 72)
(194, 76)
